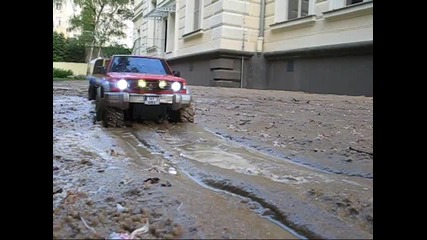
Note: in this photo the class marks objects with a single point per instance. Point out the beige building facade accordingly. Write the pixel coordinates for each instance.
(319, 46)
(64, 10)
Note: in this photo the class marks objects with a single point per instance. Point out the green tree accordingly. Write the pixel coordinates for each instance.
(101, 20)
(75, 51)
(115, 50)
(59, 47)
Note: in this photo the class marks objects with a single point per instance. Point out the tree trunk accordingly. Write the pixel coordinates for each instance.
(99, 51)
(90, 56)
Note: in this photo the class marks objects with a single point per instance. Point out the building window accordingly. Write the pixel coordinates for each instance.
(297, 8)
(293, 9)
(58, 21)
(290, 66)
(336, 4)
(58, 5)
(350, 2)
(196, 14)
(193, 15)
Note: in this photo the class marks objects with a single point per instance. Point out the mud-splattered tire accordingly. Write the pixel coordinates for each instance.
(113, 117)
(99, 108)
(186, 114)
(92, 92)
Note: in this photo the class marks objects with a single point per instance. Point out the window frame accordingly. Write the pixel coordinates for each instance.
(197, 13)
(337, 4)
(58, 4)
(283, 6)
(193, 23)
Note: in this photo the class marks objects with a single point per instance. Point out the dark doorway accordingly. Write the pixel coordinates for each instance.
(166, 34)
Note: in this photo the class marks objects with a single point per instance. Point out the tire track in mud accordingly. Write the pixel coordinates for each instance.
(136, 141)
(298, 160)
(171, 140)
(259, 205)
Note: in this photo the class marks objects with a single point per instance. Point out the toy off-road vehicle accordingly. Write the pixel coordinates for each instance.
(128, 88)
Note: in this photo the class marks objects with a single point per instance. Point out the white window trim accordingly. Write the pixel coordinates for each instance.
(337, 4)
(281, 5)
(189, 16)
(349, 11)
(294, 23)
(170, 41)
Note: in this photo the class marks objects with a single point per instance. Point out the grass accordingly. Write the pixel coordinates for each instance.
(70, 78)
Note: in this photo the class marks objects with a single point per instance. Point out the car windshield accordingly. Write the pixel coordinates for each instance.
(139, 65)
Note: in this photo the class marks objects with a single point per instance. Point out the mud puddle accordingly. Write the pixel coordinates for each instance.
(225, 209)
(208, 160)
(100, 188)
(259, 178)
(211, 186)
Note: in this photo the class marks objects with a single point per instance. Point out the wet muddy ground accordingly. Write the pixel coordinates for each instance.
(255, 164)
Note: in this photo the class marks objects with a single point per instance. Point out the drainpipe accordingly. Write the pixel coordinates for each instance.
(243, 47)
(241, 73)
(260, 41)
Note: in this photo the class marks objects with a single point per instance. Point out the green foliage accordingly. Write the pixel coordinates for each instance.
(59, 45)
(115, 50)
(67, 50)
(61, 73)
(75, 51)
(101, 20)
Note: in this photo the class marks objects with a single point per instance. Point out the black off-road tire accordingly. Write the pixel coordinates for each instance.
(99, 108)
(113, 117)
(185, 115)
(92, 92)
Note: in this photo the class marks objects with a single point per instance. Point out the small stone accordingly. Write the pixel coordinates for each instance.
(267, 212)
(120, 208)
(353, 211)
(167, 184)
(253, 207)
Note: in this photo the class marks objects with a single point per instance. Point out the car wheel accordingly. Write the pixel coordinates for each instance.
(90, 95)
(113, 117)
(186, 114)
(99, 108)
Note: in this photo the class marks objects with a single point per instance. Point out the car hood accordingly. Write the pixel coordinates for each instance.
(145, 76)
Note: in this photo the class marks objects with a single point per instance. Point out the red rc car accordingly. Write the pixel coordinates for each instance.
(128, 88)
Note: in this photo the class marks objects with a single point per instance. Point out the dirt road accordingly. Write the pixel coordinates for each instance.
(255, 164)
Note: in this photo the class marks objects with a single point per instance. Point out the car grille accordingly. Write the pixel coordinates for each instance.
(152, 85)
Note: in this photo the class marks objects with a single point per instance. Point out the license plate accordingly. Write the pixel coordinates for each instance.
(152, 100)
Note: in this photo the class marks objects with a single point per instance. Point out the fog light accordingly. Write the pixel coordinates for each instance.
(162, 84)
(142, 83)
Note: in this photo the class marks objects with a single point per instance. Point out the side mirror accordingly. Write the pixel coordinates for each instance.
(99, 70)
(176, 73)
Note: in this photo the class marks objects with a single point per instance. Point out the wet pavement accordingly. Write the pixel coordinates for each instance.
(199, 180)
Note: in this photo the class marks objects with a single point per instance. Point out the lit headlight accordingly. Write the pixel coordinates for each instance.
(142, 83)
(122, 84)
(176, 86)
(162, 84)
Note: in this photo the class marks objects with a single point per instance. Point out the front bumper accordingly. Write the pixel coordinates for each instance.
(122, 99)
